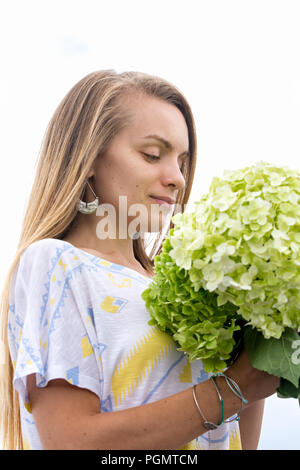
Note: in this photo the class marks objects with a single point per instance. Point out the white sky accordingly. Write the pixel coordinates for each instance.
(237, 63)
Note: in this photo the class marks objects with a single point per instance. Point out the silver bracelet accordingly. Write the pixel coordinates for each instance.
(207, 424)
(234, 417)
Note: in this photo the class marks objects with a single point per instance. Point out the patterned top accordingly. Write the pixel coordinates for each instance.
(79, 317)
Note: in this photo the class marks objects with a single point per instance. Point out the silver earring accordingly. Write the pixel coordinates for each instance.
(88, 207)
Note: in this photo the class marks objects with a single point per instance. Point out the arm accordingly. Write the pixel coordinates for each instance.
(250, 425)
(68, 417)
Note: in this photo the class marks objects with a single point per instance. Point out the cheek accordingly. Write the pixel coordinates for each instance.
(123, 177)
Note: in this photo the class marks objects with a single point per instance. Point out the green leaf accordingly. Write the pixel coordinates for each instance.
(288, 390)
(272, 355)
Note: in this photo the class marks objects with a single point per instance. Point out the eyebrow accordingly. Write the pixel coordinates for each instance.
(166, 143)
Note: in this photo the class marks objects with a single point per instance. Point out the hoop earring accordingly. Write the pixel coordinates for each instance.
(88, 207)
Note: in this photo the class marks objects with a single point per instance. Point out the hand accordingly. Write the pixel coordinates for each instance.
(254, 384)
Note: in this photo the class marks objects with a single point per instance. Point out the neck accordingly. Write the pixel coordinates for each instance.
(83, 233)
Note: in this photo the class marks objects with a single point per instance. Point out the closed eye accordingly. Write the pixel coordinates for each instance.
(155, 157)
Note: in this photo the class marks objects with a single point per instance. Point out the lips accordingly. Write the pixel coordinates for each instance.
(169, 200)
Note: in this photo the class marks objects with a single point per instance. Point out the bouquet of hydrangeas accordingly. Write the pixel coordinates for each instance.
(228, 275)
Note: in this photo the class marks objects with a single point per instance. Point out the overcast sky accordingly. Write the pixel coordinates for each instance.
(237, 63)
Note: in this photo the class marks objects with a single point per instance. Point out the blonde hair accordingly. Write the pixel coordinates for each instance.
(82, 127)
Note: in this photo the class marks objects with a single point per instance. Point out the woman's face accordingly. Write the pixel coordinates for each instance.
(125, 170)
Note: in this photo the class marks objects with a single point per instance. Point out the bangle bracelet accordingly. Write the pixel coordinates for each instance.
(221, 400)
(207, 424)
(236, 390)
(234, 417)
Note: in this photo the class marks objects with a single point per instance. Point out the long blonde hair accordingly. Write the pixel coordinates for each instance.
(82, 127)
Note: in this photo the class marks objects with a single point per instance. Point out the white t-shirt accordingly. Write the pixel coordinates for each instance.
(81, 318)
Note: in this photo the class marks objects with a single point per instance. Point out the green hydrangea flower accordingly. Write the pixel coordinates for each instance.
(233, 261)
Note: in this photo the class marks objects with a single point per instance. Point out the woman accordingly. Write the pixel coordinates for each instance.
(83, 369)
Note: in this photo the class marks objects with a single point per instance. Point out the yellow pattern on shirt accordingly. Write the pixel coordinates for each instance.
(235, 441)
(26, 445)
(186, 375)
(193, 445)
(140, 360)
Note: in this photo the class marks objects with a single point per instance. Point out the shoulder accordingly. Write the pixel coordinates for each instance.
(44, 248)
(34, 264)
(42, 254)
(45, 266)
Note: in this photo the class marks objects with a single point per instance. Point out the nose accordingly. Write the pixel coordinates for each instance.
(173, 175)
